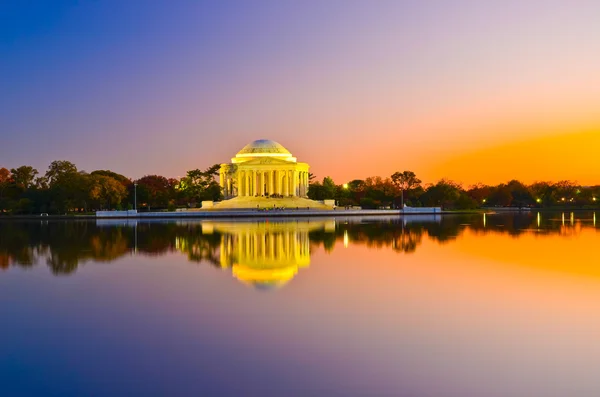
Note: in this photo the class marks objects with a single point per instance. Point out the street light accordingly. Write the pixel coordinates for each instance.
(135, 196)
(402, 198)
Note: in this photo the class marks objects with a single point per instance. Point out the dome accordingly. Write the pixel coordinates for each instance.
(263, 148)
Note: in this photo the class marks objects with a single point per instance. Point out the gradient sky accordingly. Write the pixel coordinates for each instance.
(459, 89)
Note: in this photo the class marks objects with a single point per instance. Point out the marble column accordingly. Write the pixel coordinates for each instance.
(283, 179)
(257, 183)
(294, 183)
(222, 182)
(261, 178)
(242, 187)
(270, 185)
(266, 174)
(249, 183)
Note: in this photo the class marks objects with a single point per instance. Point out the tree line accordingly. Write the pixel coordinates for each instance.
(65, 189)
(404, 188)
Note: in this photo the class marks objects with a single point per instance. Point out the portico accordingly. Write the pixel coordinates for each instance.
(264, 168)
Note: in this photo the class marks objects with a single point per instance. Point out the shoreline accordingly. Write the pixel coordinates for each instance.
(241, 214)
(252, 213)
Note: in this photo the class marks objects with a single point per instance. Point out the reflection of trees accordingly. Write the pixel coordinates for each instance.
(15, 247)
(4, 261)
(406, 237)
(155, 239)
(201, 248)
(408, 241)
(107, 248)
(327, 239)
(64, 245)
(62, 265)
(388, 234)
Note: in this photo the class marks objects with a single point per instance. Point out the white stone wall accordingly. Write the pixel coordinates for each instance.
(116, 214)
(422, 210)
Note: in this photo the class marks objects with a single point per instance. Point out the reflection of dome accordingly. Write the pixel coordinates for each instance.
(263, 148)
(264, 278)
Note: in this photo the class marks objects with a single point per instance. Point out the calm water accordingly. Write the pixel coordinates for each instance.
(460, 306)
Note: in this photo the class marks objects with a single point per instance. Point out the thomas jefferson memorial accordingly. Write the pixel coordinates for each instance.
(264, 168)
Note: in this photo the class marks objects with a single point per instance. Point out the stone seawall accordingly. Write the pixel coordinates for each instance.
(116, 214)
(265, 213)
(422, 210)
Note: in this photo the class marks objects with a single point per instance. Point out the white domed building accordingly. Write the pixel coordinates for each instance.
(264, 168)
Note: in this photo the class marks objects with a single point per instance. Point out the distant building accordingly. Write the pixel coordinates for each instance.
(264, 168)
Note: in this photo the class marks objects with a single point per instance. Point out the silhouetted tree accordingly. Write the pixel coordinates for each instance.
(406, 182)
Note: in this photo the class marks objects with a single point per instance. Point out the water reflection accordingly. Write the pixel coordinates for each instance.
(462, 305)
(264, 254)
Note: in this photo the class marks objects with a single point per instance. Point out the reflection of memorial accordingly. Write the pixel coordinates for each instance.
(266, 254)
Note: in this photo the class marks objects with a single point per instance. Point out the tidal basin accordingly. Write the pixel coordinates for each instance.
(432, 305)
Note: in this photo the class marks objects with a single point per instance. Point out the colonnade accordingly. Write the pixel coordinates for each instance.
(257, 182)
